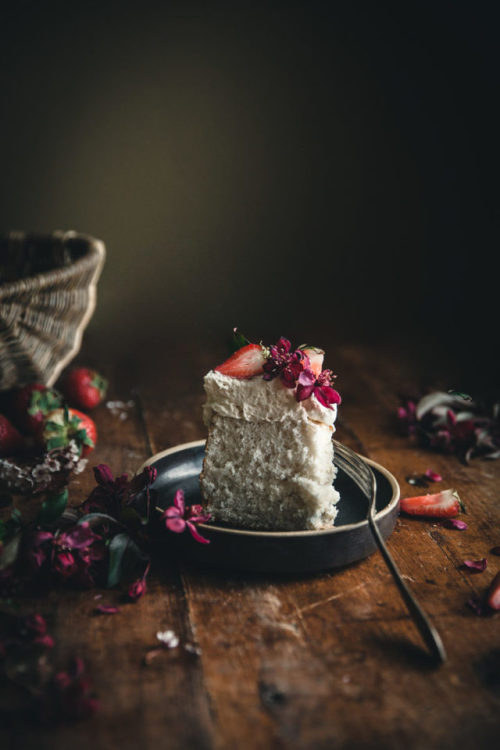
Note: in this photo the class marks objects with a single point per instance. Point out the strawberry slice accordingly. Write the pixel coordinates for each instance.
(316, 357)
(445, 504)
(493, 596)
(244, 363)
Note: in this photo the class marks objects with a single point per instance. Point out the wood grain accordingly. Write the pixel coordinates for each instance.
(324, 661)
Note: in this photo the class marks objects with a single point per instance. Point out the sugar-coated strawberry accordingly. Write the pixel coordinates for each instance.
(444, 504)
(11, 440)
(84, 388)
(63, 425)
(493, 595)
(316, 357)
(31, 404)
(244, 363)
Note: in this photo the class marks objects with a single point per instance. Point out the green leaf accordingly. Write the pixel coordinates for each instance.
(124, 555)
(53, 507)
(56, 442)
(10, 552)
(238, 340)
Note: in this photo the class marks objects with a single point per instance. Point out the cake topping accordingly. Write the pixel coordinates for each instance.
(298, 369)
(245, 362)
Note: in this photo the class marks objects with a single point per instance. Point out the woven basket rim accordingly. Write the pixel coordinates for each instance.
(93, 258)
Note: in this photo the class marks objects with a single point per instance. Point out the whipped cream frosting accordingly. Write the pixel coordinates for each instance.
(256, 399)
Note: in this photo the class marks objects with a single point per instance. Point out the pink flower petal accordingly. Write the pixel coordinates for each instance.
(179, 501)
(454, 523)
(476, 565)
(196, 534)
(172, 512)
(107, 609)
(177, 525)
(433, 476)
(303, 392)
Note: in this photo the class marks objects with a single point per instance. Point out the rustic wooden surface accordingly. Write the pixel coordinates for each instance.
(323, 661)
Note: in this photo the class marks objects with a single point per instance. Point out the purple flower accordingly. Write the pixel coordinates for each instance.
(308, 384)
(177, 517)
(65, 564)
(37, 548)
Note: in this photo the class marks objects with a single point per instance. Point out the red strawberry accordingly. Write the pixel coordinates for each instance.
(244, 363)
(316, 357)
(11, 440)
(493, 596)
(84, 388)
(63, 425)
(444, 504)
(31, 404)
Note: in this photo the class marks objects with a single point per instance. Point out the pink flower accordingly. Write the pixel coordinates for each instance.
(139, 587)
(65, 564)
(476, 565)
(308, 384)
(177, 518)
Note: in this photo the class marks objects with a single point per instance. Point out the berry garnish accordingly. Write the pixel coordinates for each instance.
(444, 504)
(244, 363)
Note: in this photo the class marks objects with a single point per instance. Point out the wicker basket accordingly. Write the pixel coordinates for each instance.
(47, 297)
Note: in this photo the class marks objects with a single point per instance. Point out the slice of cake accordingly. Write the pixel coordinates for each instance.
(270, 414)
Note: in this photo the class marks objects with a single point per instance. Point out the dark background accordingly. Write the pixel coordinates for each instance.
(308, 169)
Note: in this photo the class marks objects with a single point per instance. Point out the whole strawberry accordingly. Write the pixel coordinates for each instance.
(31, 404)
(84, 388)
(11, 440)
(64, 425)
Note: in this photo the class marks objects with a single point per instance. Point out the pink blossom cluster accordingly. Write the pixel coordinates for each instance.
(293, 367)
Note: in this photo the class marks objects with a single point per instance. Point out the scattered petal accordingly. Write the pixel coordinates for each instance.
(168, 638)
(477, 565)
(454, 523)
(192, 649)
(433, 476)
(107, 609)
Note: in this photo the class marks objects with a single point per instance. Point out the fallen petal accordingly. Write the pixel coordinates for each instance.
(454, 523)
(168, 638)
(107, 609)
(433, 476)
(477, 565)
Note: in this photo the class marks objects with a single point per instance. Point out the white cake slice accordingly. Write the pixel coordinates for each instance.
(269, 457)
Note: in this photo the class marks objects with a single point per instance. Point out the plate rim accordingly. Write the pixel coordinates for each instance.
(387, 510)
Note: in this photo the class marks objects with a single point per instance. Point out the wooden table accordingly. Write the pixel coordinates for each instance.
(322, 661)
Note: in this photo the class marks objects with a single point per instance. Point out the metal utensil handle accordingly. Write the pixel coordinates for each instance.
(424, 625)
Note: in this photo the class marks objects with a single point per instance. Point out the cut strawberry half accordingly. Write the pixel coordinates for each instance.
(316, 357)
(244, 363)
(493, 596)
(444, 504)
